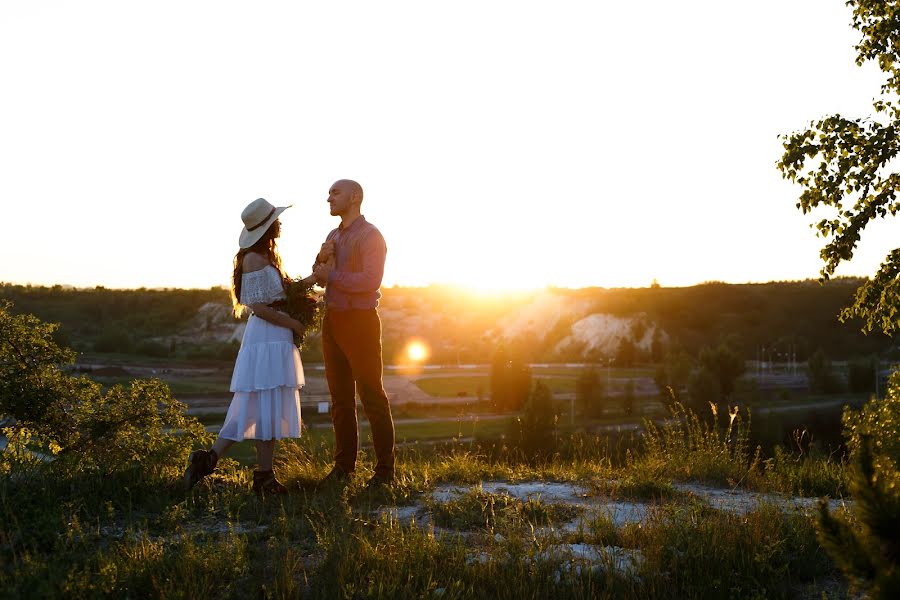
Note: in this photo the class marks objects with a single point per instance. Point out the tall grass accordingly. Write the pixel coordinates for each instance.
(120, 535)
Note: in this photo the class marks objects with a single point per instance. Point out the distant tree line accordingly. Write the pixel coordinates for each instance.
(776, 318)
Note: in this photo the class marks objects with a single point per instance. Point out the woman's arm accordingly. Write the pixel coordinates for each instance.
(275, 317)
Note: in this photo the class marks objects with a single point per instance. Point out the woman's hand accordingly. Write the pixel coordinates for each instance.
(297, 327)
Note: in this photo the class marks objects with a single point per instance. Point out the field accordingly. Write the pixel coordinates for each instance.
(524, 504)
(465, 520)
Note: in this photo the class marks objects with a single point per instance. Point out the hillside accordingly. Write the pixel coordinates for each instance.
(548, 325)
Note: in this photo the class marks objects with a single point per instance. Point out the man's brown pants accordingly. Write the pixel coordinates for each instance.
(351, 345)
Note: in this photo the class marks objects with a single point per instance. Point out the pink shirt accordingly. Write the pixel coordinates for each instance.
(359, 255)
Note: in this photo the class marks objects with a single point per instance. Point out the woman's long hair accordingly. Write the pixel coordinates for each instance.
(265, 246)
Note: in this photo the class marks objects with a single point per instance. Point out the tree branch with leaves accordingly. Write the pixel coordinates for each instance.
(846, 166)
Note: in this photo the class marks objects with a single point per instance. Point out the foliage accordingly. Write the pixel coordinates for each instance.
(822, 378)
(510, 380)
(691, 318)
(304, 305)
(867, 548)
(690, 448)
(590, 392)
(724, 362)
(703, 389)
(861, 374)
(628, 398)
(535, 432)
(672, 375)
(878, 420)
(626, 353)
(140, 427)
(845, 165)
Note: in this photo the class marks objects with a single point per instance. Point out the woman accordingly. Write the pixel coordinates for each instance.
(268, 372)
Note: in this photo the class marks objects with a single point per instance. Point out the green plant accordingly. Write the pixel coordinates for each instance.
(878, 420)
(140, 427)
(867, 547)
(535, 432)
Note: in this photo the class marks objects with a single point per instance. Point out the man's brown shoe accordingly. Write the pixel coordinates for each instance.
(379, 481)
(335, 476)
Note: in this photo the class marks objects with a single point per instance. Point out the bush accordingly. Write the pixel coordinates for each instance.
(535, 432)
(861, 374)
(140, 427)
(822, 379)
(867, 548)
(878, 419)
(113, 340)
(510, 381)
(590, 392)
(151, 348)
(703, 390)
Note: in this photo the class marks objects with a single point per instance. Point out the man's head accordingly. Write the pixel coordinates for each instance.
(344, 197)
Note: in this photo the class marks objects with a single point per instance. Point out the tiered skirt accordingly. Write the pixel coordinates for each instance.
(266, 383)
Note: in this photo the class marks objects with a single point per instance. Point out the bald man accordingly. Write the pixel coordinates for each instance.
(350, 265)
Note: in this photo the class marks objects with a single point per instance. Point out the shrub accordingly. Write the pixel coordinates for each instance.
(687, 448)
(861, 374)
(140, 427)
(867, 547)
(113, 340)
(878, 420)
(151, 348)
(590, 392)
(535, 432)
(822, 379)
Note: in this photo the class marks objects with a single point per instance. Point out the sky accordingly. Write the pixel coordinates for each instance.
(500, 144)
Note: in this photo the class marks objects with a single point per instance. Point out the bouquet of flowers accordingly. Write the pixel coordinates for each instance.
(304, 304)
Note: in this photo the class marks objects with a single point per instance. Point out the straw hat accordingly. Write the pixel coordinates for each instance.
(257, 218)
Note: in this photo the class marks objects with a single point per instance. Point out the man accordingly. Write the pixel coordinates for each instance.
(350, 266)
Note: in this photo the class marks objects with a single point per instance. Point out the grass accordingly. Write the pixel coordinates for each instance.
(480, 509)
(86, 537)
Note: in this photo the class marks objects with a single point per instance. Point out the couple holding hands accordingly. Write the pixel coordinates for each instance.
(268, 373)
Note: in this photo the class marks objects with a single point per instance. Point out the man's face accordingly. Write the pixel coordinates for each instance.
(340, 198)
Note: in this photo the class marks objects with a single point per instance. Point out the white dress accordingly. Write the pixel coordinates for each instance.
(268, 373)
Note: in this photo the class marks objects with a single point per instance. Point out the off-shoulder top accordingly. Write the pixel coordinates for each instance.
(262, 287)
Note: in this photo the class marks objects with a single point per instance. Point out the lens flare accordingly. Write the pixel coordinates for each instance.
(417, 351)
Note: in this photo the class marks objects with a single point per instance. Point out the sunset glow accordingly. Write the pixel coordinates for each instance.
(417, 351)
(511, 162)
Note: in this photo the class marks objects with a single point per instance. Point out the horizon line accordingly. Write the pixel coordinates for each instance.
(457, 286)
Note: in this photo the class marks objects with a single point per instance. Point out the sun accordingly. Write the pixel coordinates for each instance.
(417, 351)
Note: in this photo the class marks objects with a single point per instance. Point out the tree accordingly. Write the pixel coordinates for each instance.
(726, 364)
(626, 353)
(822, 379)
(510, 380)
(703, 390)
(672, 376)
(861, 374)
(590, 392)
(628, 399)
(534, 432)
(845, 165)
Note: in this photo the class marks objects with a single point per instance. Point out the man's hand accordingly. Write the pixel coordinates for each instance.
(326, 252)
(322, 272)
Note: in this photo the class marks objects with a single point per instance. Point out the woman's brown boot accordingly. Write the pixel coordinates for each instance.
(264, 482)
(200, 464)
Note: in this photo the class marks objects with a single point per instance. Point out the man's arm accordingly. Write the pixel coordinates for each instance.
(373, 251)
